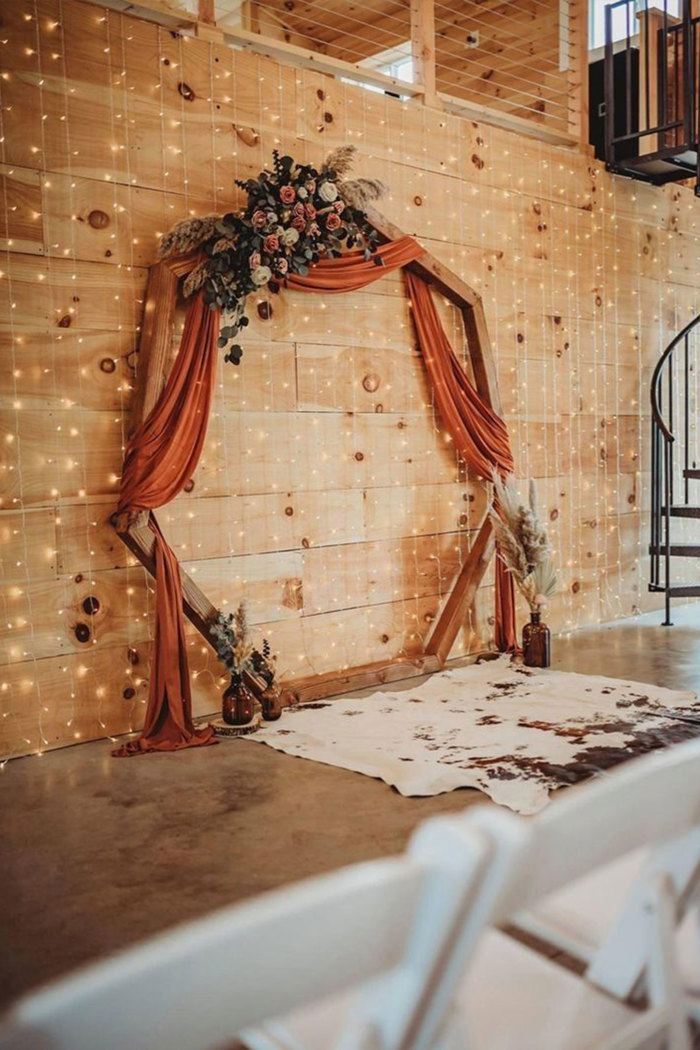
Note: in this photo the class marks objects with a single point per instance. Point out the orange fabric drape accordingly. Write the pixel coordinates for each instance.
(164, 453)
(480, 435)
(160, 459)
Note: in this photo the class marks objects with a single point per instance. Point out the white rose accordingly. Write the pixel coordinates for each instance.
(290, 236)
(261, 275)
(302, 194)
(328, 192)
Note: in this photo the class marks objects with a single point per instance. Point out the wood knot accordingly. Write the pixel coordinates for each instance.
(553, 514)
(328, 117)
(289, 511)
(82, 632)
(129, 693)
(186, 91)
(359, 456)
(417, 200)
(477, 161)
(108, 365)
(575, 587)
(305, 543)
(248, 136)
(65, 321)
(320, 94)
(384, 638)
(91, 605)
(264, 311)
(132, 656)
(379, 408)
(99, 220)
(188, 486)
(371, 382)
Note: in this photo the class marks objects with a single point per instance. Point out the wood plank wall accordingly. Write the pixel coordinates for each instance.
(328, 492)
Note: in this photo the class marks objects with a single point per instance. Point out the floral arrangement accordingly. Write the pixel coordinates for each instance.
(523, 543)
(234, 648)
(294, 215)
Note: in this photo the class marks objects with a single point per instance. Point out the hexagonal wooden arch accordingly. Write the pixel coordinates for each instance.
(155, 344)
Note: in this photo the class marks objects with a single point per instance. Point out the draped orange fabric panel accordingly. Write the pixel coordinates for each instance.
(160, 459)
(164, 453)
(479, 434)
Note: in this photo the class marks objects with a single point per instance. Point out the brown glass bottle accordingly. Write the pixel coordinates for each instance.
(238, 703)
(271, 706)
(536, 642)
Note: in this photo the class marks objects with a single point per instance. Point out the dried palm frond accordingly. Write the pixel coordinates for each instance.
(522, 539)
(510, 549)
(188, 235)
(541, 583)
(533, 537)
(195, 279)
(340, 160)
(359, 193)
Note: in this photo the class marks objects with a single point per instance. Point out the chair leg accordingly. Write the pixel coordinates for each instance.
(663, 979)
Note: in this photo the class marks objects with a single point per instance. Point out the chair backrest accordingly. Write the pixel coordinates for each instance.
(651, 802)
(195, 987)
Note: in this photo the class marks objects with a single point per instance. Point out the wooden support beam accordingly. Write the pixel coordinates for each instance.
(481, 355)
(206, 12)
(316, 687)
(423, 49)
(463, 593)
(577, 71)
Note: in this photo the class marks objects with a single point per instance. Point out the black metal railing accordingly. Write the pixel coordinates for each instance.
(674, 452)
(651, 90)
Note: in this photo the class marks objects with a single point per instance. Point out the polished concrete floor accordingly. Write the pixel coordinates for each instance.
(98, 853)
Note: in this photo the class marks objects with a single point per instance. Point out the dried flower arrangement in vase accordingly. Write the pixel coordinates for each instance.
(243, 660)
(524, 547)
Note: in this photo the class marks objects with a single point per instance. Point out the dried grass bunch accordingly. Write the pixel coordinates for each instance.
(523, 542)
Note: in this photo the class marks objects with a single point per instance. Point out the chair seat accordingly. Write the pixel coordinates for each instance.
(512, 997)
(579, 917)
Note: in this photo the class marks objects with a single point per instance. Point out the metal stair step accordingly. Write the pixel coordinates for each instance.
(691, 591)
(683, 512)
(678, 550)
(692, 472)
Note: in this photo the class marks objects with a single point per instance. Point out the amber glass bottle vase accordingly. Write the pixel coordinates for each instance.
(536, 642)
(238, 703)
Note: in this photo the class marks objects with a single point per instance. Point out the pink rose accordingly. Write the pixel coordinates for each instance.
(298, 209)
(299, 224)
(339, 207)
(333, 221)
(254, 260)
(287, 194)
(271, 244)
(310, 211)
(259, 218)
(282, 266)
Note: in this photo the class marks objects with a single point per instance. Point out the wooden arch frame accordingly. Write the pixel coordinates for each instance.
(154, 349)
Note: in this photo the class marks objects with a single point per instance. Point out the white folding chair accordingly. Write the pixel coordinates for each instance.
(194, 988)
(503, 996)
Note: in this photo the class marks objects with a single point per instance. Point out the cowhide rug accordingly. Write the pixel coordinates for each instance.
(513, 732)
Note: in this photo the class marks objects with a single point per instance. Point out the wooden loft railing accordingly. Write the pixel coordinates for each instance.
(520, 64)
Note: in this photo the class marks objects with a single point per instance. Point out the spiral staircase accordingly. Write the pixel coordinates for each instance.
(675, 468)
